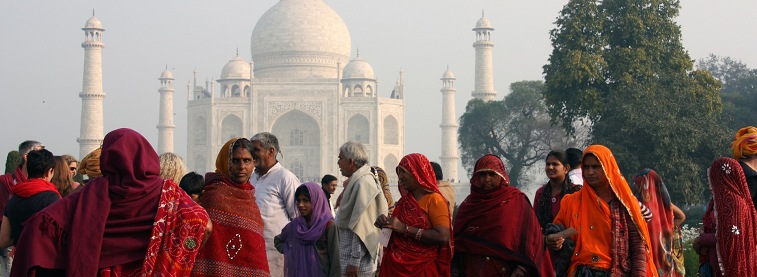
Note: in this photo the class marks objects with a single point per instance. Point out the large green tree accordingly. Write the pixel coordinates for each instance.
(739, 91)
(621, 64)
(12, 161)
(517, 129)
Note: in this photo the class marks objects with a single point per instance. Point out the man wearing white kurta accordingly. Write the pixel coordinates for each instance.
(274, 194)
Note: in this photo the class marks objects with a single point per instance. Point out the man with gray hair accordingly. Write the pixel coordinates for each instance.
(7, 181)
(362, 203)
(274, 194)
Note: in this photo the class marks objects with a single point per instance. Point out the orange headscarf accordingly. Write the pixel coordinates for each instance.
(223, 159)
(90, 164)
(745, 142)
(582, 208)
(223, 162)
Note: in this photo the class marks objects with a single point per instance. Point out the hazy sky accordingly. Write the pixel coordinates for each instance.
(41, 59)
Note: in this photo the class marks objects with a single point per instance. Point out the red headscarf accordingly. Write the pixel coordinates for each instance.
(735, 219)
(107, 223)
(654, 194)
(489, 163)
(501, 223)
(406, 256)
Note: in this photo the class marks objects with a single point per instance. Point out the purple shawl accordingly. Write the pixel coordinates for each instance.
(300, 255)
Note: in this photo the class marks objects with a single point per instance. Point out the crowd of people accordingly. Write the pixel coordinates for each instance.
(140, 214)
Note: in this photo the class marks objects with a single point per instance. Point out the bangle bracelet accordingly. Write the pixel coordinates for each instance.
(419, 234)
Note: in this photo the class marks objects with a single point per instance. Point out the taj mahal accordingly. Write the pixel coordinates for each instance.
(304, 85)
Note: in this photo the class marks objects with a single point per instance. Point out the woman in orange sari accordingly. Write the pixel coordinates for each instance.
(612, 237)
(420, 244)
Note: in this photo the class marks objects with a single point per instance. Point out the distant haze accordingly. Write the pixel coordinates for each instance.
(41, 58)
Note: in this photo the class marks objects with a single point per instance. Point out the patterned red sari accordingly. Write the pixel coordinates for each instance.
(129, 222)
(406, 256)
(236, 246)
(735, 217)
(654, 194)
(176, 237)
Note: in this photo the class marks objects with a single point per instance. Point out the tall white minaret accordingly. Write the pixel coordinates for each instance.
(165, 118)
(484, 88)
(450, 157)
(91, 130)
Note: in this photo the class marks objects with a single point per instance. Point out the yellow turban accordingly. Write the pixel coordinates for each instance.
(90, 165)
(745, 142)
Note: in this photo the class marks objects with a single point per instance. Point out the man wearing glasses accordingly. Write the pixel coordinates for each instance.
(7, 181)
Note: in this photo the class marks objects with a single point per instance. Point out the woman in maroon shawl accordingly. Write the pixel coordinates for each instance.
(128, 222)
(735, 215)
(496, 230)
(236, 247)
(420, 244)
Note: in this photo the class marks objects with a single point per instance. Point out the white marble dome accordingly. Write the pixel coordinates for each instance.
(166, 75)
(299, 39)
(93, 23)
(358, 68)
(236, 69)
(448, 75)
(484, 23)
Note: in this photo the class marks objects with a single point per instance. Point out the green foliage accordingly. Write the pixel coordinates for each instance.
(517, 129)
(12, 161)
(691, 260)
(739, 91)
(621, 64)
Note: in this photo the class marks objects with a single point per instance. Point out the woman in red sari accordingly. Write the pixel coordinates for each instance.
(662, 227)
(129, 222)
(420, 244)
(496, 230)
(735, 215)
(236, 247)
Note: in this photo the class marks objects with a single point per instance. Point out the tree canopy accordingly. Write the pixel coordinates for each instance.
(739, 91)
(12, 161)
(621, 64)
(517, 129)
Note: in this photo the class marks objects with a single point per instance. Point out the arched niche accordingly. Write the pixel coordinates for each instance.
(358, 129)
(200, 132)
(231, 127)
(391, 131)
(304, 148)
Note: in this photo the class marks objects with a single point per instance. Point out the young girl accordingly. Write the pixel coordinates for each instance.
(309, 243)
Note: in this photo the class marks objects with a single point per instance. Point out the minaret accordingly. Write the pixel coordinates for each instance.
(165, 121)
(449, 158)
(91, 130)
(484, 88)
